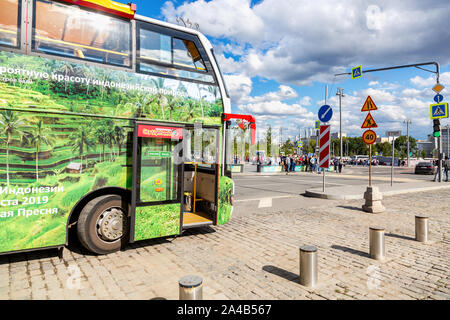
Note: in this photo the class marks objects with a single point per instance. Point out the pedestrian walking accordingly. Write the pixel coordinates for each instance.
(436, 164)
(340, 165)
(286, 164)
(446, 167)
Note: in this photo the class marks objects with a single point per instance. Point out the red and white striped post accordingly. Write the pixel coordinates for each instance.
(324, 150)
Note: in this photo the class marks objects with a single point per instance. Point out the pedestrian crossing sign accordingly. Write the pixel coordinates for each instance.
(356, 72)
(439, 110)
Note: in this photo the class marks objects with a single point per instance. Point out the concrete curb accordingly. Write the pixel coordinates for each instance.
(359, 195)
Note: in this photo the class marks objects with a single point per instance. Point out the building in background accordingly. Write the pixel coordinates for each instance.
(335, 135)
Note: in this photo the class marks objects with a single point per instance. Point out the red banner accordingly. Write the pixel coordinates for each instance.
(147, 131)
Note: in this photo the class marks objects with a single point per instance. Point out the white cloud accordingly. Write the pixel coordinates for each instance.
(305, 101)
(284, 93)
(219, 18)
(298, 42)
(444, 79)
(239, 87)
(301, 41)
(275, 108)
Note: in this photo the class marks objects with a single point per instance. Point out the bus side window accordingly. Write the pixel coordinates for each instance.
(68, 31)
(10, 23)
(169, 53)
(185, 53)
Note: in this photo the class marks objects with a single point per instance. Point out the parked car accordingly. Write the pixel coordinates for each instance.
(425, 168)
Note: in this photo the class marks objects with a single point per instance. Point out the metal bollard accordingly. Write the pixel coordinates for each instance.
(422, 228)
(308, 266)
(376, 240)
(191, 288)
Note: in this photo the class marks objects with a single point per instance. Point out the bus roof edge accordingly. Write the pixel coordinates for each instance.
(119, 9)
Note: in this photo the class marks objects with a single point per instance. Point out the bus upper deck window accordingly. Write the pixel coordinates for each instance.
(170, 53)
(185, 54)
(72, 32)
(9, 23)
(155, 46)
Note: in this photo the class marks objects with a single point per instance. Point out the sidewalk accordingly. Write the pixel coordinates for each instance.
(357, 191)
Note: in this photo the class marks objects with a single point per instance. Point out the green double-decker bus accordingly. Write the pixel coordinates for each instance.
(111, 127)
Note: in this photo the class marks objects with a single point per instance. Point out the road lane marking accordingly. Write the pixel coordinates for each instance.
(265, 203)
(259, 199)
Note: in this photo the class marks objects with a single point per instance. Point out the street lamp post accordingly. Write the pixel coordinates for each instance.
(408, 122)
(340, 93)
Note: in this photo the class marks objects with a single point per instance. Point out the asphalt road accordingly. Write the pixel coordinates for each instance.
(277, 192)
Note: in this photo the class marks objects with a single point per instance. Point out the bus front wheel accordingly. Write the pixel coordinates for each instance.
(103, 224)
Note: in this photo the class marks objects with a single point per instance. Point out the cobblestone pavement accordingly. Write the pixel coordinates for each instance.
(256, 256)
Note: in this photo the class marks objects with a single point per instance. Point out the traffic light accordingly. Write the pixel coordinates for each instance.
(436, 128)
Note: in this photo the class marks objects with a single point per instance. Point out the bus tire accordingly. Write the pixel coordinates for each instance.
(102, 226)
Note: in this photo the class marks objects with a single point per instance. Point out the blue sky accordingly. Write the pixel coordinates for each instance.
(278, 56)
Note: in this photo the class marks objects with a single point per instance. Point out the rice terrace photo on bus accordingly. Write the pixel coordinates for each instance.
(113, 133)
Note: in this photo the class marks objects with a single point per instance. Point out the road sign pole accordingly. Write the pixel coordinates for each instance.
(323, 182)
(448, 140)
(440, 157)
(370, 165)
(392, 162)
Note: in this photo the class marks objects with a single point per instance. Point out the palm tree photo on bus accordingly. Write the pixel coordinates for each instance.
(101, 135)
(200, 89)
(39, 135)
(172, 102)
(10, 124)
(159, 96)
(66, 68)
(119, 137)
(81, 143)
(190, 109)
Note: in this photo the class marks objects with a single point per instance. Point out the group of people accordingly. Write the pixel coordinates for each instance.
(311, 162)
(445, 168)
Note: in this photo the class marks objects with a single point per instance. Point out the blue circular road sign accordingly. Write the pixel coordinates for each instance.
(438, 98)
(325, 113)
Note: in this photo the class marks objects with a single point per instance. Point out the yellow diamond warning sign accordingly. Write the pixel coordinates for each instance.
(369, 122)
(369, 105)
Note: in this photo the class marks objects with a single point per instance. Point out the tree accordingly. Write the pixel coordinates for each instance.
(11, 124)
(40, 135)
(190, 106)
(288, 147)
(119, 136)
(81, 142)
(66, 68)
(401, 145)
(384, 148)
(159, 97)
(357, 146)
(269, 141)
(101, 136)
(310, 146)
(172, 102)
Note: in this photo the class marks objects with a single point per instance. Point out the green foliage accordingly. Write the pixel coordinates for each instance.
(287, 148)
(269, 141)
(384, 148)
(157, 221)
(225, 192)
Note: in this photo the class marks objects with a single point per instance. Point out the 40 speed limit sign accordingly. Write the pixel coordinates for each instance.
(369, 136)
